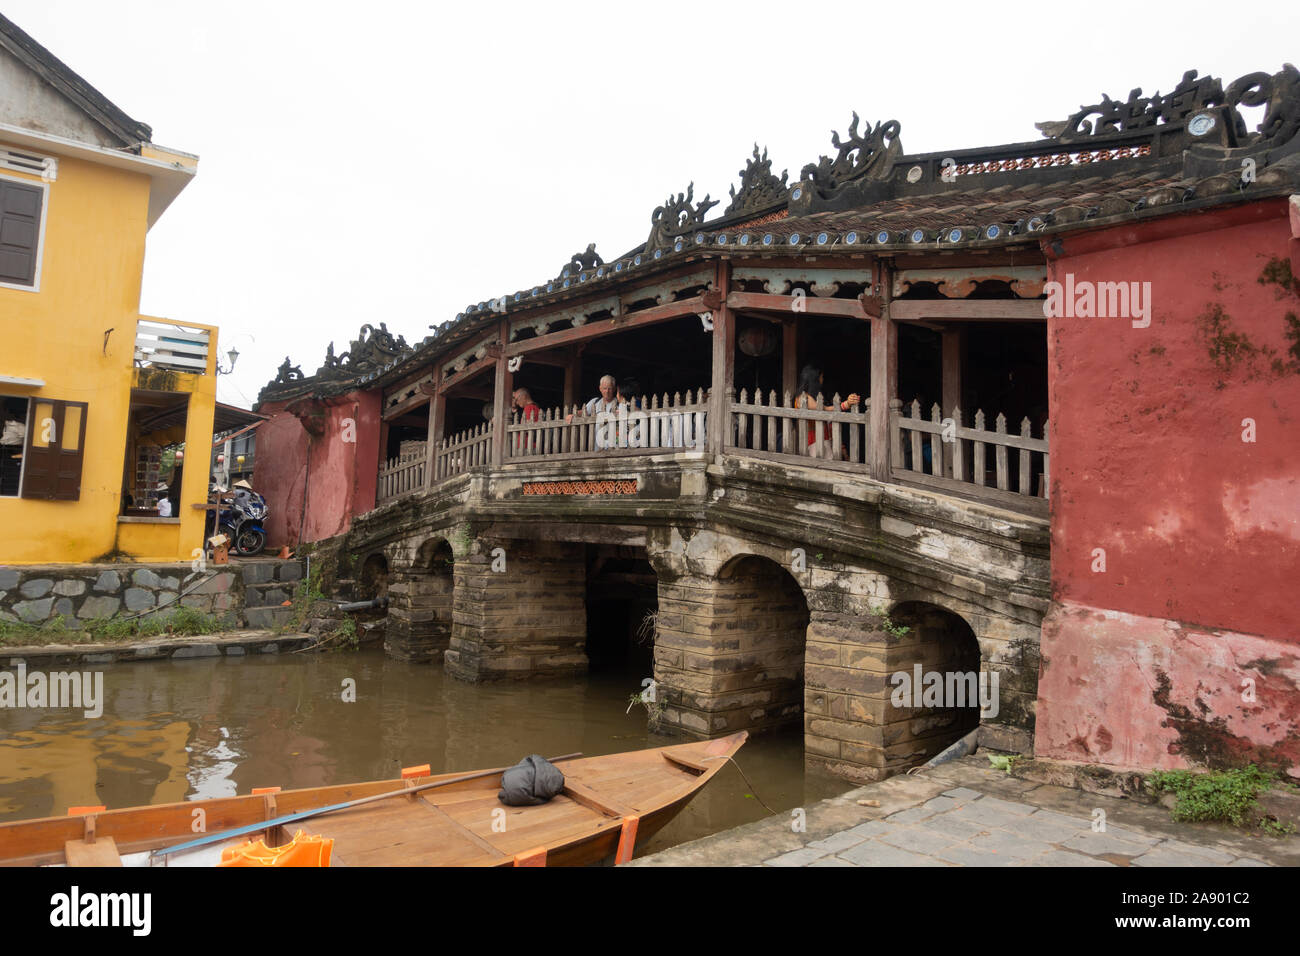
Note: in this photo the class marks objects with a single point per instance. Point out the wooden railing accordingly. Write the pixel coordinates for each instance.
(776, 429)
(958, 456)
(650, 424)
(940, 451)
(403, 474)
(456, 455)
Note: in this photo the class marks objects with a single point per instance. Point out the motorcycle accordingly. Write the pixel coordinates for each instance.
(242, 522)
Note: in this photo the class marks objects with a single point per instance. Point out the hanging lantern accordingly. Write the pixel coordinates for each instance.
(239, 459)
(757, 340)
(221, 459)
(180, 454)
(487, 411)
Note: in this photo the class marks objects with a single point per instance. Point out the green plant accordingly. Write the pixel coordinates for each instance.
(308, 589)
(347, 632)
(1222, 795)
(888, 626)
(653, 709)
(1003, 761)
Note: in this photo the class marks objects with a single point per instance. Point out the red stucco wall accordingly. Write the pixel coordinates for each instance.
(1200, 529)
(343, 472)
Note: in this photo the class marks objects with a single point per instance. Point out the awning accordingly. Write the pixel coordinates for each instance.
(230, 416)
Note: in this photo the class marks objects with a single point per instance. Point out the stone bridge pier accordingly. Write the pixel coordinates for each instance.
(519, 610)
(420, 592)
(755, 636)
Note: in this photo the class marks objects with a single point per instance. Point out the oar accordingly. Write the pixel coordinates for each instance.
(304, 814)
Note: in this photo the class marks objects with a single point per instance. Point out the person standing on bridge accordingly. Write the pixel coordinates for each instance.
(522, 399)
(606, 401)
(810, 389)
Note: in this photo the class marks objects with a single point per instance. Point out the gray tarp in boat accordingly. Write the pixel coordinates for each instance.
(532, 781)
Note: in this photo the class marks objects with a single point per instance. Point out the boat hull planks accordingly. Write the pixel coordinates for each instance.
(460, 824)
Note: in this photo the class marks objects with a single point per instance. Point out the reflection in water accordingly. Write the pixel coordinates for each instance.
(219, 726)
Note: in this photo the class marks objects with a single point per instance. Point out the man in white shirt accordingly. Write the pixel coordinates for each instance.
(164, 503)
(606, 401)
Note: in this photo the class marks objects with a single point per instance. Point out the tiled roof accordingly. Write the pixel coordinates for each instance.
(1107, 163)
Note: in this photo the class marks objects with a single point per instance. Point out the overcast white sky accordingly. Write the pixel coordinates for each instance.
(395, 161)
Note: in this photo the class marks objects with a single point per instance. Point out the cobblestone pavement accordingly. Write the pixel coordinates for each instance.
(967, 814)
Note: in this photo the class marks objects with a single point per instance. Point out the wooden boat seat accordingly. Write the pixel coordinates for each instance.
(103, 852)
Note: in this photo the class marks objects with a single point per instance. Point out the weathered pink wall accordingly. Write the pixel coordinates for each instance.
(343, 475)
(1155, 661)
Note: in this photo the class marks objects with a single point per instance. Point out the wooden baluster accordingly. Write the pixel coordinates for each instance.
(1047, 487)
(787, 426)
(742, 422)
(936, 441)
(918, 461)
(958, 448)
(1024, 455)
(836, 438)
(771, 419)
(1000, 451)
(854, 442)
(981, 471)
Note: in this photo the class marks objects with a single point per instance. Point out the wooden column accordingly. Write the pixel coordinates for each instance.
(954, 340)
(501, 398)
(789, 357)
(884, 375)
(724, 360)
(572, 376)
(437, 414)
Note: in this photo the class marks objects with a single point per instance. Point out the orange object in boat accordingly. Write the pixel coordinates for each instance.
(302, 850)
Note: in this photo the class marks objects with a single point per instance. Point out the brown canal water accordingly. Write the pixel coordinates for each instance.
(215, 727)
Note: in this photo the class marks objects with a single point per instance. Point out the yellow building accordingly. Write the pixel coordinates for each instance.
(95, 398)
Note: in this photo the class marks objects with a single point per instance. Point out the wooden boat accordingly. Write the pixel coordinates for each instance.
(455, 820)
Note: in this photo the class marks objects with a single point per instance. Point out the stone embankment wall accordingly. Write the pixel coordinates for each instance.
(248, 594)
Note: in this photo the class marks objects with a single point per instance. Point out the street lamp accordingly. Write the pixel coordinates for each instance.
(234, 357)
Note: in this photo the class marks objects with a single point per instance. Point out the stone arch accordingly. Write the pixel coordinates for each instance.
(937, 684)
(372, 579)
(420, 604)
(730, 648)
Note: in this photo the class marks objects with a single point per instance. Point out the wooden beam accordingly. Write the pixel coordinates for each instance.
(884, 378)
(789, 357)
(472, 369)
(657, 313)
(724, 365)
(809, 304)
(543, 358)
(397, 411)
(968, 310)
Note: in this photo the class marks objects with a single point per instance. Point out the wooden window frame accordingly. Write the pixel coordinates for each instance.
(57, 457)
(39, 253)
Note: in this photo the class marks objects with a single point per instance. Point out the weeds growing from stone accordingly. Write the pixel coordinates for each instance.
(169, 621)
(1218, 796)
